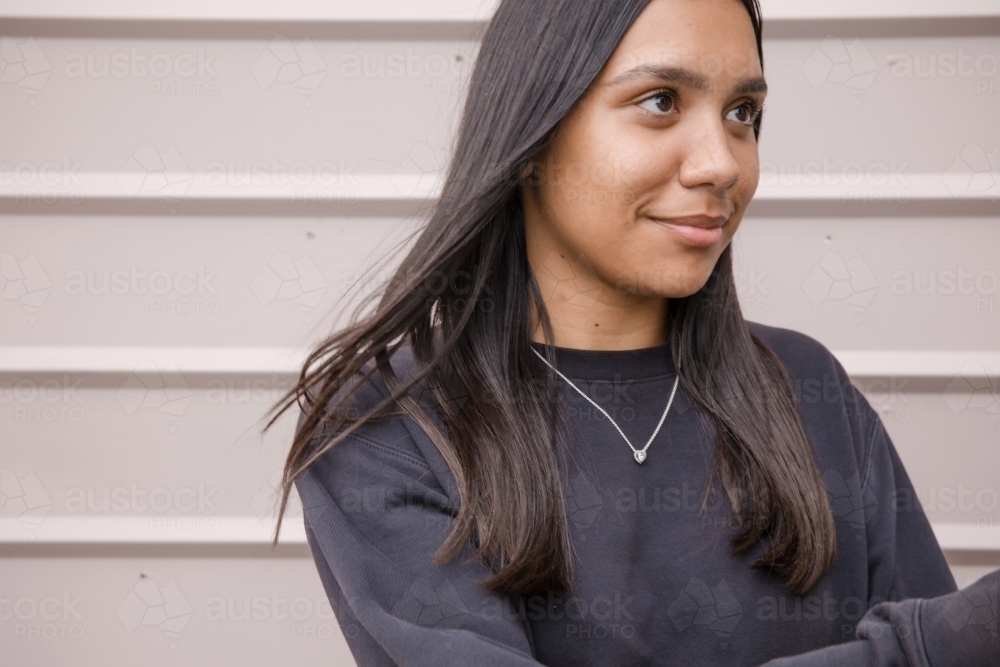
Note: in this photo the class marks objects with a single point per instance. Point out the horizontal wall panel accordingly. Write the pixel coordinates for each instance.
(255, 535)
(190, 466)
(341, 190)
(819, 136)
(299, 97)
(251, 361)
(839, 91)
(283, 287)
(184, 281)
(290, 188)
(146, 448)
(447, 10)
(255, 10)
(950, 445)
(296, 96)
(159, 612)
(874, 283)
(176, 530)
(263, 361)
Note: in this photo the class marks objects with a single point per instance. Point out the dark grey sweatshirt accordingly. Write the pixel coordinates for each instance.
(656, 583)
(954, 630)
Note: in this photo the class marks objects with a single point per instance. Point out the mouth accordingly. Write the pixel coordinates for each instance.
(700, 231)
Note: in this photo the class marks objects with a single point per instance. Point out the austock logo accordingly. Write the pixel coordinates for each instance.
(974, 388)
(178, 73)
(424, 604)
(265, 502)
(418, 173)
(152, 387)
(149, 171)
(838, 61)
(715, 608)
(24, 64)
(46, 400)
(35, 617)
(974, 171)
(164, 607)
(850, 500)
(24, 499)
(975, 607)
(308, 617)
(25, 282)
(833, 279)
(570, 279)
(142, 500)
(285, 62)
(583, 505)
(287, 279)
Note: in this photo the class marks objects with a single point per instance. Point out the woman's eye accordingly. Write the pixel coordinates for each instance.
(745, 113)
(662, 102)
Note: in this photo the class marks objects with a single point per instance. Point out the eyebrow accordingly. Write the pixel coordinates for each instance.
(685, 77)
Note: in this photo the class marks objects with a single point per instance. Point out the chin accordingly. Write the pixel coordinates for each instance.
(683, 293)
(679, 287)
(666, 290)
(654, 280)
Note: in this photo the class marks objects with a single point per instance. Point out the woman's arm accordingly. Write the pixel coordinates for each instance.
(904, 558)
(954, 630)
(374, 515)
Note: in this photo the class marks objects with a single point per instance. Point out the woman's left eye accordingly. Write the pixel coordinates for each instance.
(745, 113)
(664, 102)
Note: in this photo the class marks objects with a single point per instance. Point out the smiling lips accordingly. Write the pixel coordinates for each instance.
(701, 231)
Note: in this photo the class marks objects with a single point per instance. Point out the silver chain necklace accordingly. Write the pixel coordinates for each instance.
(639, 454)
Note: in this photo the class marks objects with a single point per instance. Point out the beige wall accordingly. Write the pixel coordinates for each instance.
(875, 230)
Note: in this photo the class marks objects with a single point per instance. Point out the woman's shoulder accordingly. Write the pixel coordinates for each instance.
(828, 400)
(804, 356)
(392, 432)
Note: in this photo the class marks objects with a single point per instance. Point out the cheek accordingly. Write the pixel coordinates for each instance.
(593, 193)
(602, 168)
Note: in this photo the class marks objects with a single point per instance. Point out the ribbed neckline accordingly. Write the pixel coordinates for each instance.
(612, 365)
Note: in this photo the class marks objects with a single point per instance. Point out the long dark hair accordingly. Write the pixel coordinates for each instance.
(462, 299)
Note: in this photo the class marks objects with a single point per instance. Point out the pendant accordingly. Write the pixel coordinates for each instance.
(640, 455)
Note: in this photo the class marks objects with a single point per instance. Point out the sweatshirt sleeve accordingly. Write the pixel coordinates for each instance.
(904, 558)
(954, 630)
(374, 515)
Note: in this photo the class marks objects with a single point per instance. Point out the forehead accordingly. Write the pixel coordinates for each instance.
(714, 38)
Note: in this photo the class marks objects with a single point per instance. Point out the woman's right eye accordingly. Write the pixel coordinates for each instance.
(662, 101)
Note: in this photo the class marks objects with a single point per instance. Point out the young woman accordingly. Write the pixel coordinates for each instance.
(556, 440)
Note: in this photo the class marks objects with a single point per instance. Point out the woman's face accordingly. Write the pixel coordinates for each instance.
(648, 176)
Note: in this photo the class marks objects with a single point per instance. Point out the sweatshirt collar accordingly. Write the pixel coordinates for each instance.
(611, 365)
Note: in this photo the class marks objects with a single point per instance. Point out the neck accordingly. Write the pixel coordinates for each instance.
(586, 311)
(593, 316)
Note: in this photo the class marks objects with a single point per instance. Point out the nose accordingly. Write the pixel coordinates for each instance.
(709, 162)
